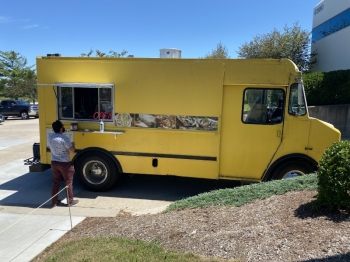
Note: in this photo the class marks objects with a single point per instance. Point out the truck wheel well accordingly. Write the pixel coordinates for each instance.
(95, 150)
(297, 158)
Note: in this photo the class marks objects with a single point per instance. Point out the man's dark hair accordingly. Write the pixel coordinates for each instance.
(56, 126)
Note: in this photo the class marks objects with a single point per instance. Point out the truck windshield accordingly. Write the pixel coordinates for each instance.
(297, 103)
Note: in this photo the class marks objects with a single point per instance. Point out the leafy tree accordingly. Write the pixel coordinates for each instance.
(15, 76)
(221, 51)
(29, 85)
(293, 43)
(101, 54)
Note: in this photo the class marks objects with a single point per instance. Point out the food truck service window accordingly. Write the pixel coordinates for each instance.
(85, 101)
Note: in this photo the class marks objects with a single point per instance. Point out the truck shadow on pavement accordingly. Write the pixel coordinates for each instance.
(33, 189)
(166, 188)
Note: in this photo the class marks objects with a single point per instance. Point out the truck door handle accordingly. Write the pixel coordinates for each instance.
(279, 133)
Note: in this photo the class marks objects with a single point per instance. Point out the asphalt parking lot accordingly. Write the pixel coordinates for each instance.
(25, 231)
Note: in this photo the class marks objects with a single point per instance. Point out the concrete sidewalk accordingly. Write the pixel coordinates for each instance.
(29, 237)
(23, 236)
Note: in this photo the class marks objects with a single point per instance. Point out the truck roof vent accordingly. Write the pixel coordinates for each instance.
(53, 54)
(170, 53)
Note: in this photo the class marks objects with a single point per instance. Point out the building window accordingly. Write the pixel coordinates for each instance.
(85, 102)
(263, 106)
(331, 26)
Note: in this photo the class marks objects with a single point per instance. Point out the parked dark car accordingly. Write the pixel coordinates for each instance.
(2, 118)
(18, 108)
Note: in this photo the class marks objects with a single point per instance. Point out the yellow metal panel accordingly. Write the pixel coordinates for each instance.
(322, 135)
(47, 103)
(260, 71)
(178, 87)
(169, 166)
(149, 141)
(295, 135)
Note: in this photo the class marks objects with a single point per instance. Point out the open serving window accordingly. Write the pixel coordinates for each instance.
(81, 101)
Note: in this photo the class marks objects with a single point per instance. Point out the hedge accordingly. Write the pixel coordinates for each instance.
(330, 88)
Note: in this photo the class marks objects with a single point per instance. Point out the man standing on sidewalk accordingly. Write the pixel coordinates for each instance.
(61, 166)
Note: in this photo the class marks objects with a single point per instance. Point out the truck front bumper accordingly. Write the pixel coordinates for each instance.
(33, 113)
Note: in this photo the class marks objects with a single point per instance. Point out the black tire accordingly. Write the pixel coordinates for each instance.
(292, 169)
(24, 115)
(97, 172)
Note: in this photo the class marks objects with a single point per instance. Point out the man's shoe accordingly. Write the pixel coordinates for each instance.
(74, 202)
(57, 203)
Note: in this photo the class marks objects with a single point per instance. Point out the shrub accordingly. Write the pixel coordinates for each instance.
(245, 194)
(334, 177)
(328, 88)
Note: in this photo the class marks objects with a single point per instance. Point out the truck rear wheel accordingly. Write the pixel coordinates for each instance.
(97, 172)
(24, 115)
(292, 169)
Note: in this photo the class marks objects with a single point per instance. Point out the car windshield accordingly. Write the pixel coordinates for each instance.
(22, 103)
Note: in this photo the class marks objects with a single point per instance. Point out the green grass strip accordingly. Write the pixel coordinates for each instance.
(118, 249)
(244, 194)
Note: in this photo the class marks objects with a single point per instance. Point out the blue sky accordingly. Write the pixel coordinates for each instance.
(142, 27)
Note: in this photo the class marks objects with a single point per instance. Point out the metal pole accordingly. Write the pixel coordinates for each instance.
(70, 215)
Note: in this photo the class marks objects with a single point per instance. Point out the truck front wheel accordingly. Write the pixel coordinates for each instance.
(292, 169)
(97, 172)
(24, 115)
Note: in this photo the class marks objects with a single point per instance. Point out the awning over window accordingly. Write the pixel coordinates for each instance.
(86, 85)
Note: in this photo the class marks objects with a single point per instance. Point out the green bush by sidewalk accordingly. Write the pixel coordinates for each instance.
(334, 177)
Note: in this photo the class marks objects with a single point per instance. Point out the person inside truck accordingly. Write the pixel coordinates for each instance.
(276, 115)
(257, 113)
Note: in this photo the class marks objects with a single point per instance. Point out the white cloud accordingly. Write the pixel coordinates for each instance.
(30, 26)
(4, 19)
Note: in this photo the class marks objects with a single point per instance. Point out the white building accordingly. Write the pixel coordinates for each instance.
(331, 35)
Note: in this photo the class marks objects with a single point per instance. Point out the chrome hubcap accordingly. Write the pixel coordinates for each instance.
(95, 172)
(293, 173)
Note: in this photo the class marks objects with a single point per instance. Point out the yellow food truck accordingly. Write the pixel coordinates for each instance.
(240, 119)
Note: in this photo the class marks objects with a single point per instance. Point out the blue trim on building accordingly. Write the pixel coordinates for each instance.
(331, 26)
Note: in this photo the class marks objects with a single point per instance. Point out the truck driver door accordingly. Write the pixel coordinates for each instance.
(252, 123)
(14, 108)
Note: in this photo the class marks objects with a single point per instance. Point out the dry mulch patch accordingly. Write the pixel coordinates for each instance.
(280, 228)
